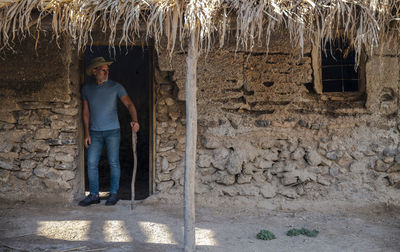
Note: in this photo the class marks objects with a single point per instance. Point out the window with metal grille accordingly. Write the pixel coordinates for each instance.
(338, 73)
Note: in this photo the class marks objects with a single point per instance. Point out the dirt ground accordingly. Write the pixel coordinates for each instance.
(158, 226)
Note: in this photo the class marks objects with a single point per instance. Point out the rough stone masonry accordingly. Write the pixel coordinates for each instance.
(264, 134)
(40, 122)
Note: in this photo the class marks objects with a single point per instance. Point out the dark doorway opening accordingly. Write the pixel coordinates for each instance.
(132, 69)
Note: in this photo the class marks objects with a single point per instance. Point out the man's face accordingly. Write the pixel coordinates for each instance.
(101, 73)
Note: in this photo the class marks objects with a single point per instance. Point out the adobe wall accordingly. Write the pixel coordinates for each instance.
(265, 138)
(39, 122)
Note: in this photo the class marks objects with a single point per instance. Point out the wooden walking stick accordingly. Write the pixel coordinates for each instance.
(134, 141)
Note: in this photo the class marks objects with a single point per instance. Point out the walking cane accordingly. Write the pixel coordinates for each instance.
(134, 141)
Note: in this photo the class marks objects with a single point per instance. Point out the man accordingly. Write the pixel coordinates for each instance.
(101, 125)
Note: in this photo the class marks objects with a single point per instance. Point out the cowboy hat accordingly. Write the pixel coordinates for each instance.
(96, 62)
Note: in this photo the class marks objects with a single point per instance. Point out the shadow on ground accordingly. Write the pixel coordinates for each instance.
(158, 226)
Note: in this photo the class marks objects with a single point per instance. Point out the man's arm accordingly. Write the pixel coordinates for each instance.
(132, 111)
(86, 119)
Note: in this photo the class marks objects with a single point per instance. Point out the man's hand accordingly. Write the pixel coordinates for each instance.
(87, 141)
(135, 126)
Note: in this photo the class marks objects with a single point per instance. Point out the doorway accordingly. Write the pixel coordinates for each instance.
(131, 68)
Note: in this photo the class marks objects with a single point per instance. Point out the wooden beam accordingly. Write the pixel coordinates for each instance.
(191, 141)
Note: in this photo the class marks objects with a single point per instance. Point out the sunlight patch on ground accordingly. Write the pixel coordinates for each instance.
(205, 237)
(157, 233)
(115, 231)
(71, 230)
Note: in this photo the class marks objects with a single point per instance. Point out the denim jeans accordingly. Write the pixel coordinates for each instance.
(111, 139)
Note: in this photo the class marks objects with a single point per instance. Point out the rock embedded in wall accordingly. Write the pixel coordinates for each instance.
(322, 180)
(388, 160)
(263, 164)
(223, 177)
(334, 171)
(67, 123)
(173, 156)
(165, 165)
(249, 169)
(163, 177)
(207, 171)
(394, 179)
(258, 177)
(9, 165)
(394, 168)
(10, 154)
(65, 138)
(345, 160)
(288, 192)
(381, 166)
(313, 158)
(284, 155)
(66, 111)
(166, 146)
(268, 190)
(204, 160)
(389, 152)
(227, 190)
(234, 163)
(299, 153)
(7, 117)
(357, 155)
(270, 154)
(248, 190)
(64, 166)
(28, 165)
(178, 175)
(165, 186)
(220, 158)
(46, 133)
(244, 178)
(17, 135)
(332, 155)
(36, 146)
(211, 142)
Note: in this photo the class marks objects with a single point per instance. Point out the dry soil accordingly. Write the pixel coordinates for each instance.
(158, 226)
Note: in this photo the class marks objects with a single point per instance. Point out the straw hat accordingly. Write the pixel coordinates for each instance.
(96, 62)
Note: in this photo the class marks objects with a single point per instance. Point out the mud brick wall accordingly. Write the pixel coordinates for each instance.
(39, 121)
(267, 137)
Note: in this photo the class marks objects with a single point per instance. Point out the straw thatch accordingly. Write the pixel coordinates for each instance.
(361, 22)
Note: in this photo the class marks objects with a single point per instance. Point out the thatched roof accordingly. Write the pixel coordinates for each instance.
(362, 22)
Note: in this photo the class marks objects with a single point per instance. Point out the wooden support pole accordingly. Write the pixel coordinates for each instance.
(191, 140)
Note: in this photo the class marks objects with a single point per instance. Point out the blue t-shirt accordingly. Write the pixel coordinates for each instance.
(102, 101)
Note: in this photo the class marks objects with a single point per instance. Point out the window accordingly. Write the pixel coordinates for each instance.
(335, 72)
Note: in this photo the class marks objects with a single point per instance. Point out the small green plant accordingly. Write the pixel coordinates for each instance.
(303, 231)
(265, 235)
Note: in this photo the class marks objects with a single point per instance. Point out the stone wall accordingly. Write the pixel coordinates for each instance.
(39, 121)
(266, 137)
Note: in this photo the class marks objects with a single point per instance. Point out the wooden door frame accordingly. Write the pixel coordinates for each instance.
(152, 123)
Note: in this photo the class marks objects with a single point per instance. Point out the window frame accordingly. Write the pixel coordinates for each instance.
(316, 58)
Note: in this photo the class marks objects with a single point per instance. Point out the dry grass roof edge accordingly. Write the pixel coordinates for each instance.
(362, 22)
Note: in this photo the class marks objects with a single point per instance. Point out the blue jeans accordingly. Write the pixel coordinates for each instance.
(111, 138)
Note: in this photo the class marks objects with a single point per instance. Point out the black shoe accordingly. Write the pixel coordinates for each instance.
(112, 199)
(90, 199)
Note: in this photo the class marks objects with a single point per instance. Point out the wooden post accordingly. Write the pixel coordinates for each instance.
(191, 140)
